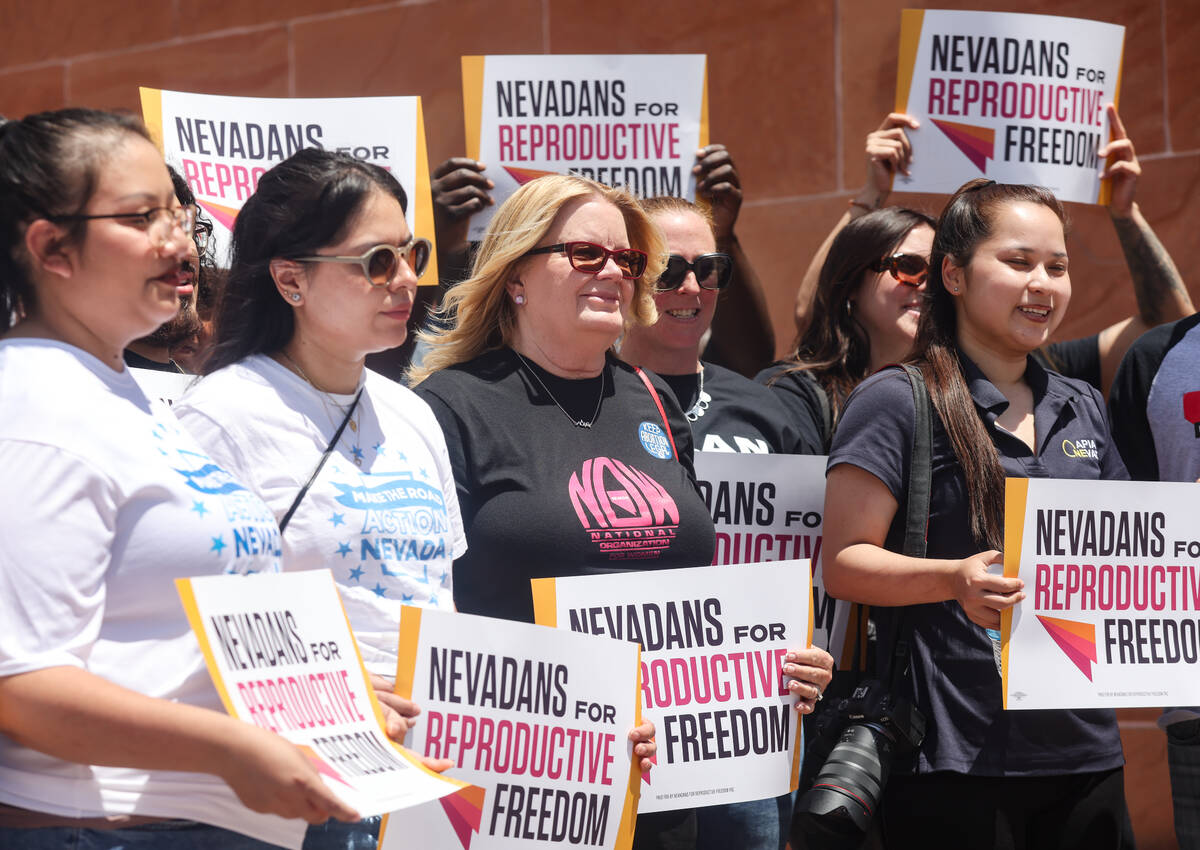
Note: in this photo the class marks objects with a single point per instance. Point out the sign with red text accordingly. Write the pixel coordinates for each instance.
(713, 645)
(769, 507)
(222, 146)
(1111, 615)
(632, 121)
(537, 718)
(282, 656)
(1013, 97)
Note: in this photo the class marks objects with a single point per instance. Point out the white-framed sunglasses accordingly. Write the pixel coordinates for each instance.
(381, 263)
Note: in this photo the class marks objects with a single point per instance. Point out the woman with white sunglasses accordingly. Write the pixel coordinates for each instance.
(353, 465)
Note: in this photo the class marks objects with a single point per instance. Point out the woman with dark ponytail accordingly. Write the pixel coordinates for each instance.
(983, 777)
(111, 732)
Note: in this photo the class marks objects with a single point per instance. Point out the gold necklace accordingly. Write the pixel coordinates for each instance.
(356, 451)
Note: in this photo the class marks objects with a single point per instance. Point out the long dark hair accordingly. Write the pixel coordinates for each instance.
(836, 348)
(301, 205)
(49, 166)
(968, 219)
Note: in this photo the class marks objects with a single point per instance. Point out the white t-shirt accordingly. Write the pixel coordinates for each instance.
(389, 529)
(104, 502)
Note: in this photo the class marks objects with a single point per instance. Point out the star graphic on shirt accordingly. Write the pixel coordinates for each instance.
(445, 575)
(401, 456)
(218, 545)
(338, 519)
(406, 597)
(378, 448)
(198, 507)
(423, 473)
(379, 590)
(356, 573)
(433, 601)
(357, 452)
(343, 549)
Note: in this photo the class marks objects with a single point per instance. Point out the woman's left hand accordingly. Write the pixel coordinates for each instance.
(644, 747)
(811, 671)
(399, 714)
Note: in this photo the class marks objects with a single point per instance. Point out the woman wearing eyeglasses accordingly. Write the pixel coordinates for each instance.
(111, 733)
(566, 460)
(727, 412)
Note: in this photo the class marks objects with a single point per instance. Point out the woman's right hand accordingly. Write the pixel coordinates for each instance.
(982, 593)
(271, 775)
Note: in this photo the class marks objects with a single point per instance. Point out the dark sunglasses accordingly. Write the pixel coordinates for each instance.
(381, 263)
(713, 271)
(591, 258)
(912, 269)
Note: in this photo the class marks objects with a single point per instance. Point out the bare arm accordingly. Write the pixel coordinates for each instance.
(858, 512)
(1159, 289)
(74, 715)
(888, 151)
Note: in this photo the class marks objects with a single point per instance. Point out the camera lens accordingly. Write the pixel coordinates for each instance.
(846, 792)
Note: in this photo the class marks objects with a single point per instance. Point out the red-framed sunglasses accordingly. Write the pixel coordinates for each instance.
(911, 269)
(591, 258)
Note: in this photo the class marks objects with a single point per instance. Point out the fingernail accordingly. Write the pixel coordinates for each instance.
(491, 185)
(480, 165)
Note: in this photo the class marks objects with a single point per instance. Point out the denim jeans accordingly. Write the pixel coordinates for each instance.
(756, 825)
(1183, 759)
(168, 835)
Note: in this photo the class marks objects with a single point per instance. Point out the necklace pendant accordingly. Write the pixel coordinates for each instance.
(353, 425)
(358, 461)
(579, 423)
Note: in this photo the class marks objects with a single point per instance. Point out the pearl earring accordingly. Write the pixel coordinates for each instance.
(519, 300)
(295, 296)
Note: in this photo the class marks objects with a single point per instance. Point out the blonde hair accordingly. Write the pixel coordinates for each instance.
(478, 314)
(667, 204)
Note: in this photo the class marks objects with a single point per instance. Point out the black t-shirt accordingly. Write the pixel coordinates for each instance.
(1074, 358)
(542, 497)
(137, 361)
(798, 391)
(953, 674)
(734, 414)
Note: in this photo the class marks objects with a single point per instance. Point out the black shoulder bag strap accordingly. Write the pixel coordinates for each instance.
(916, 520)
(337, 435)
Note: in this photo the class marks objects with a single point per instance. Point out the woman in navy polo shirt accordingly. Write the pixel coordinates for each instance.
(983, 777)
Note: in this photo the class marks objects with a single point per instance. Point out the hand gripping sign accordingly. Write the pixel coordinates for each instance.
(1111, 616)
(536, 717)
(713, 642)
(1017, 98)
(622, 120)
(282, 656)
(223, 145)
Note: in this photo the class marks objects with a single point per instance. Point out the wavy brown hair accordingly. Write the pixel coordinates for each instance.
(835, 347)
(968, 219)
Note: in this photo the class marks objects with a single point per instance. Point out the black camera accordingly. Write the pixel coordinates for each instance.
(854, 741)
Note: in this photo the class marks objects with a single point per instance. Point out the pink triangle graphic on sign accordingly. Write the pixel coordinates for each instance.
(464, 808)
(1076, 640)
(977, 143)
(225, 215)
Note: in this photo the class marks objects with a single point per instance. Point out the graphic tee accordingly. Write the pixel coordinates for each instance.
(382, 515)
(105, 502)
(734, 414)
(542, 497)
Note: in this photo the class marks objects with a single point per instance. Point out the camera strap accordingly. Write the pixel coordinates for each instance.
(916, 514)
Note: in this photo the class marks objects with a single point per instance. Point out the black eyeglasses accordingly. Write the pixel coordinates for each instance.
(381, 263)
(591, 258)
(202, 233)
(157, 221)
(713, 271)
(912, 269)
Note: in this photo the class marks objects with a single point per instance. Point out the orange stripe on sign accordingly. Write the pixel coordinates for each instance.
(472, 81)
(911, 22)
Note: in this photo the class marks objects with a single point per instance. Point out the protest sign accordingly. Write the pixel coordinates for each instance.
(281, 655)
(623, 120)
(537, 718)
(713, 643)
(1014, 97)
(223, 145)
(165, 386)
(1111, 616)
(769, 507)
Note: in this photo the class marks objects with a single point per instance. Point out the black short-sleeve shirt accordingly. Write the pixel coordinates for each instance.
(953, 674)
(805, 399)
(731, 413)
(541, 497)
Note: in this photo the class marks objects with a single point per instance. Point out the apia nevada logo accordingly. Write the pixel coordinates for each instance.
(1077, 640)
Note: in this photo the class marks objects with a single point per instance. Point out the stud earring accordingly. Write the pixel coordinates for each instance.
(295, 296)
(518, 300)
